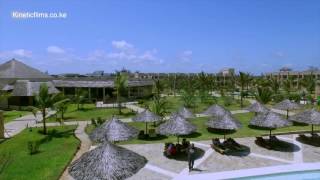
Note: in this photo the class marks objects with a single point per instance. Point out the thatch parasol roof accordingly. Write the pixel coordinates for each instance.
(226, 122)
(286, 105)
(309, 117)
(113, 130)
(257, 107)
(269, 120)
(146, 116)
(186, 113)
(216, 110)
(176, 125)
(107, 161)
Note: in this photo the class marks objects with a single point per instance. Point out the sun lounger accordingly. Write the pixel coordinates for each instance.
(274, 138)
(218, 146)
(262, 142)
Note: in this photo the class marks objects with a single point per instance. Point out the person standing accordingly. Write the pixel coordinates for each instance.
(191, 156)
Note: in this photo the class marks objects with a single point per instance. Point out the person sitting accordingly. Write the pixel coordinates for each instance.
(169, 149)
(185, 143)
(173, 150)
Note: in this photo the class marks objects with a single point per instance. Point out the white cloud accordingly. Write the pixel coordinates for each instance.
(279, 54)
(17, 53)
(55, 50)
(122, 45)
(186, 56)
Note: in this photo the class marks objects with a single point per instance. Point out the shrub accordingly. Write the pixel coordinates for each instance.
(100, 121)
(227, 101)
(278, 97)
(33, 147)
(295, 97)
(94, 122)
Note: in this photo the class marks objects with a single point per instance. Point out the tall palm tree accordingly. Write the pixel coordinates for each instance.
(287, 85)
(274, 84)
(79, 97)
(243, 81)
(61, 107)
(309, 83)
(120, 84)
(264, 95)
(43, 101)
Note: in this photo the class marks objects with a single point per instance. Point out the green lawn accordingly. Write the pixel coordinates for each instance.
(90, 111)
(11, 115)
(203, 133)
(174, 103)
(56, 151)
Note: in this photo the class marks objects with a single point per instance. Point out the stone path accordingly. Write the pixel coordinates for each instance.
(84, 147)
(16, 126)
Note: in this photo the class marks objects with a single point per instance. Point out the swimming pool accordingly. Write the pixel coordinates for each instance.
(300, 175)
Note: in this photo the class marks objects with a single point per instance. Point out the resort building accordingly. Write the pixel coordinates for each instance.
(287, 73)
(23, 82)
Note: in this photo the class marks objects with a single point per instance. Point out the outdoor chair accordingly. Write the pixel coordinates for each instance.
(262, 142)
(274, 139)
(218, 146)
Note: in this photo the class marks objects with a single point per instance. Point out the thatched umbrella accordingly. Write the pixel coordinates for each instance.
(107, 161)
(185, 113)
(146, 116)
(308, 117)
(226, 123)
(177, 126)
(286, 105)
(257, 108)
(269, 120)
(216, 110)
(114, 130)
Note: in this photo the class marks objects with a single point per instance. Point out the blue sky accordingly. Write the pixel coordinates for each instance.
(164, 35)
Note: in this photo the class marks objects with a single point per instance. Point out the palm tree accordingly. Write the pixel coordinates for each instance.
(264, 95)
(80, 97)
(274, 84)
(287, 85)
(43, 101)
(309, 83)
(61, 107)
(4, 96)
(243, 81)
(120, 84)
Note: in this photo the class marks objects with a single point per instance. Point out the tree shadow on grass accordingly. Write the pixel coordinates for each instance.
(55, 134)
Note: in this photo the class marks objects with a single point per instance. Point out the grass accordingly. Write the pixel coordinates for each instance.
(204, 134)
(90, 111)
(13, 114)
(56, 151)
(174, 103)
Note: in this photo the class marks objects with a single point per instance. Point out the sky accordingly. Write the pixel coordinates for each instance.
(255, 36)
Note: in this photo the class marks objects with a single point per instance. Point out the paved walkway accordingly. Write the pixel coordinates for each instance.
(16, 126)
(85, 145)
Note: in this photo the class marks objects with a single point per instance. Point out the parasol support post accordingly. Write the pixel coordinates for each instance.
(287, 113)
(146, 128)
(178, 138)
(312, 130)
(270, 135)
